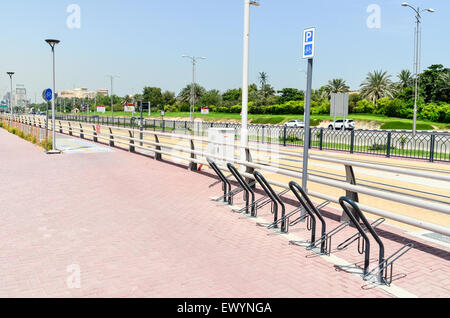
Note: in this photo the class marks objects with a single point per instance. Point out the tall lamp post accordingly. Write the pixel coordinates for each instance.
(417, 54)
(11, 109)
(112, 96)
(194, 63)
(53, 43)
(245, 70)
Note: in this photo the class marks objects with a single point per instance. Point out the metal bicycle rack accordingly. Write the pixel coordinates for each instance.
(312, 212)
(228, 195)
(275, 199)
(226, 185)
(358, 237)
(247, 189)
(384, 270)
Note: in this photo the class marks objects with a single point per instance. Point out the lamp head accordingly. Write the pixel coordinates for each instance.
(405, 4)
(10, 73)
(431, 10)
(52, 42)
(254, 3)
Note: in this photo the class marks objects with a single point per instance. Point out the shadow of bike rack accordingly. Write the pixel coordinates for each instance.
(312, 212)
(247, 187)
(274, 198)
(383, 272)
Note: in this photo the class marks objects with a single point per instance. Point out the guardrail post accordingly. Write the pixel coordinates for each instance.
(70, 129)
(193, 165)
(111, 138)
(263, 137)
(158, 156)
(351, 178)
(352, 142)
(284, 135)
(81, 132)
(321, 139)
(163, 125)
(432, 146)
(132, 148)
(95, 133)
(60, 128)
(388, 146)
(249, 170)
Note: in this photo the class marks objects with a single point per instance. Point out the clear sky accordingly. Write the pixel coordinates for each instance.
(142, 42)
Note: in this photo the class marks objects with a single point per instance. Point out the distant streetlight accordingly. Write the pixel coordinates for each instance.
(11, 109)
(245, 70)
(194, 63)
(112, 98)
(52, 44)
(417, 54)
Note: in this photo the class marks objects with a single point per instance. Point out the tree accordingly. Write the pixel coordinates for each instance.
(405, 79)
(211, 98)
(153, 95)
(336, 85)
(377, 85)
(185, 94)
(289, 94)
(232, 96)
(168, 98)
(435, 84)
(263, 78)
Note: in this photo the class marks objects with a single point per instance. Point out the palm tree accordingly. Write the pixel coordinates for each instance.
(263, 78)
(336, 85)
(185, 94)
(377, 85)
(127, 100)
(406, 79)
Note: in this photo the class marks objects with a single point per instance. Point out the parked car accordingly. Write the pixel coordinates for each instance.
(343, 124)
(295, 124)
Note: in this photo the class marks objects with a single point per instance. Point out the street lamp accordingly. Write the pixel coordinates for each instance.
(194, 63)
(417, 53)
(11, 109)
(112, 98)
(245, 70)
(53, 43)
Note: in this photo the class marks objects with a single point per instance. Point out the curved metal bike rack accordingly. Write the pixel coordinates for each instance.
(275, 201)
(247, 188)
(384, 270)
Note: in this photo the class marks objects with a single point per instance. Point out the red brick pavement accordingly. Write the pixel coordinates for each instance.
(141, 228)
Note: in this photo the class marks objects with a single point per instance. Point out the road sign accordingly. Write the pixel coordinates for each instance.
(309, 41)
(47, 95)
(339, 105)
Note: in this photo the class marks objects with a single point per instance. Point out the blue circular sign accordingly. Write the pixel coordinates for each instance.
(48, 94)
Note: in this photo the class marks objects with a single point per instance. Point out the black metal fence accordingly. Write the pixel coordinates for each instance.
(431, 146)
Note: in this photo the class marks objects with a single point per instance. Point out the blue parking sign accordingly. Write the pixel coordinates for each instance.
(309, 38)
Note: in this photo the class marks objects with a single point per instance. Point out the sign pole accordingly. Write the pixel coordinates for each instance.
(308, 48)
(307, 126)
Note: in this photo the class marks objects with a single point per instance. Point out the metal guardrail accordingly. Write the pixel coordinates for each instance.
(425, 145)
(166, 149)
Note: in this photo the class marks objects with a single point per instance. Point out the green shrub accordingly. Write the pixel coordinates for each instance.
(268, 120)
(364, 107)
(398, 125)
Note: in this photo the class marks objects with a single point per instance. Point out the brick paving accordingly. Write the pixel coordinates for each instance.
(136, 227)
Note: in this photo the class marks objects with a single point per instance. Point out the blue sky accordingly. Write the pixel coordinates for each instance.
(142, 41)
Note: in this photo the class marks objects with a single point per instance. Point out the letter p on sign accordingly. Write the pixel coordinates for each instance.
(309, 39)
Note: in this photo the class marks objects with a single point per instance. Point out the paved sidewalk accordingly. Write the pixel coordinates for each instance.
(135, 227)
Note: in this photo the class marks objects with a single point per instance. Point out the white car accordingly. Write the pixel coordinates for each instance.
(341, 124)
(295, 124)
